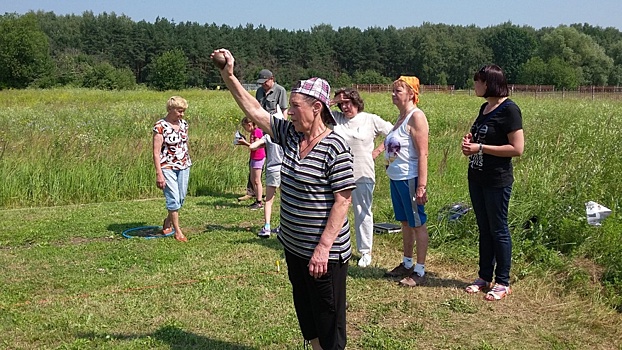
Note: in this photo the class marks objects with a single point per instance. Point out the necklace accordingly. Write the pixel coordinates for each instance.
(310, 142)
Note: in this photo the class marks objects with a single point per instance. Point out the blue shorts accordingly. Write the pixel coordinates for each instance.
(176, 187)
(404, 206)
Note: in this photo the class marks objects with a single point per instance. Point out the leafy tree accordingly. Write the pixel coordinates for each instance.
(342, 80)
(399, 54)
(70, 68)
(615, 76)
(472, 53)
(436, 53)
(347, 47)
(317, 53)
(605, 37)
(580, 51)
(511, 47)
(106, 77)
(370, 76)
(447, 54)
(169, 71)
(554, 72)
(372, 45)
(563, 75)
(533, 72)
(63, 31)
(616, 52)
(24, 52)
(141, 45)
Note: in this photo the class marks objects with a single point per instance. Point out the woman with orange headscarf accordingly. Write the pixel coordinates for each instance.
(406, 153)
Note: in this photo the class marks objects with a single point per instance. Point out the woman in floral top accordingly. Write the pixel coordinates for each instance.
(172, 162)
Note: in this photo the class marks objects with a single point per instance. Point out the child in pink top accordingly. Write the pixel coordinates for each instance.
(257, 159)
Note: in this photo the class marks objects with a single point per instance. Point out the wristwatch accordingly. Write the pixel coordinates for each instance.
(481, 149)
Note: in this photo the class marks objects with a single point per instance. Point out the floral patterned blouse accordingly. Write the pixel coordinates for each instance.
(174, 153)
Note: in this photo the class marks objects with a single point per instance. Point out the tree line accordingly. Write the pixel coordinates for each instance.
(109, 51)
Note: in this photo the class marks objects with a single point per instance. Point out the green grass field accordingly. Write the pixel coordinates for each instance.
(76, 171)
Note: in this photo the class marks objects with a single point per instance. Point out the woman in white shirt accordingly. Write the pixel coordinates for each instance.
(360, 129)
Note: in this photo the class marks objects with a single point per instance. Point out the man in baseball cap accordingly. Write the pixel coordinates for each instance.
(264, 75)
(270, 94)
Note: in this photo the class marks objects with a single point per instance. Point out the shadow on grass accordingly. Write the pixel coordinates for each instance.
(206, 192)
(249, 235)
(177, 338)
(432, 279)
(225, 203)
(271, 242)
(239, 228)
(119, 228)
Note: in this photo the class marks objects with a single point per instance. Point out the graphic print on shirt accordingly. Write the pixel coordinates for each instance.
(174, 153)
(393, 147)
(476, 161)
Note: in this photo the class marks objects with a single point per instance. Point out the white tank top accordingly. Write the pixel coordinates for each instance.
(402, 158)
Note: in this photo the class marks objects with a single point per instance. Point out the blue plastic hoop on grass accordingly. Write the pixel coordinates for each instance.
(128, 233)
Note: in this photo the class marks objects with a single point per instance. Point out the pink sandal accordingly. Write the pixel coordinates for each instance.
(477, 286)
(498, 292)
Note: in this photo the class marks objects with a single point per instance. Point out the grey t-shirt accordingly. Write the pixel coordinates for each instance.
(276, 96)
(274, 152)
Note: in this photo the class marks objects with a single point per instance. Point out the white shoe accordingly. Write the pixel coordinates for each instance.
(365, 260)
(264, 233)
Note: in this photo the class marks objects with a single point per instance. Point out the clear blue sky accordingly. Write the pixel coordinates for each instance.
(293, 15)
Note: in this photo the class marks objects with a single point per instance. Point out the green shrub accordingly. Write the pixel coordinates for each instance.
(106, 77)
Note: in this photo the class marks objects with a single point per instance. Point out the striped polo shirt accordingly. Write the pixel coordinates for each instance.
(308, 188)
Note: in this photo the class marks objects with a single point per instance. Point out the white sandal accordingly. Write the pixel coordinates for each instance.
(498, 292)
(477, 286)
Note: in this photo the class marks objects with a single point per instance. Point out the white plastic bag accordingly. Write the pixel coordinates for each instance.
(596, 213)
(237, 137)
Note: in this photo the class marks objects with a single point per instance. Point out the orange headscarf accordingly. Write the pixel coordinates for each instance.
(413, 82)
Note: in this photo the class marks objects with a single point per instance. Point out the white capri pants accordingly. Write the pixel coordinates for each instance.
(363, 217)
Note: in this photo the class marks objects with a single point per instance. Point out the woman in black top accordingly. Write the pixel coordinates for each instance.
(496, 136)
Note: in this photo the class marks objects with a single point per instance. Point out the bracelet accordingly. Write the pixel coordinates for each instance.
(481, 149)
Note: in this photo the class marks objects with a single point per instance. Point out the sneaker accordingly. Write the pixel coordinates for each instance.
(365, 260)
(276, 230)
(245, 197)
(400, 271)
(256, 206)
(264, 233)
(413, 280)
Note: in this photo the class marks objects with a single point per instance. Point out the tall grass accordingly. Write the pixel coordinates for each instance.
(83, 146)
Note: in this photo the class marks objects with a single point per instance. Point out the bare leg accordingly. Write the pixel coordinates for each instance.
(408, 239)
(173, 216)
(256, 180)
(270, 191)
(166, 224)
(422, 238)
(315, 344)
